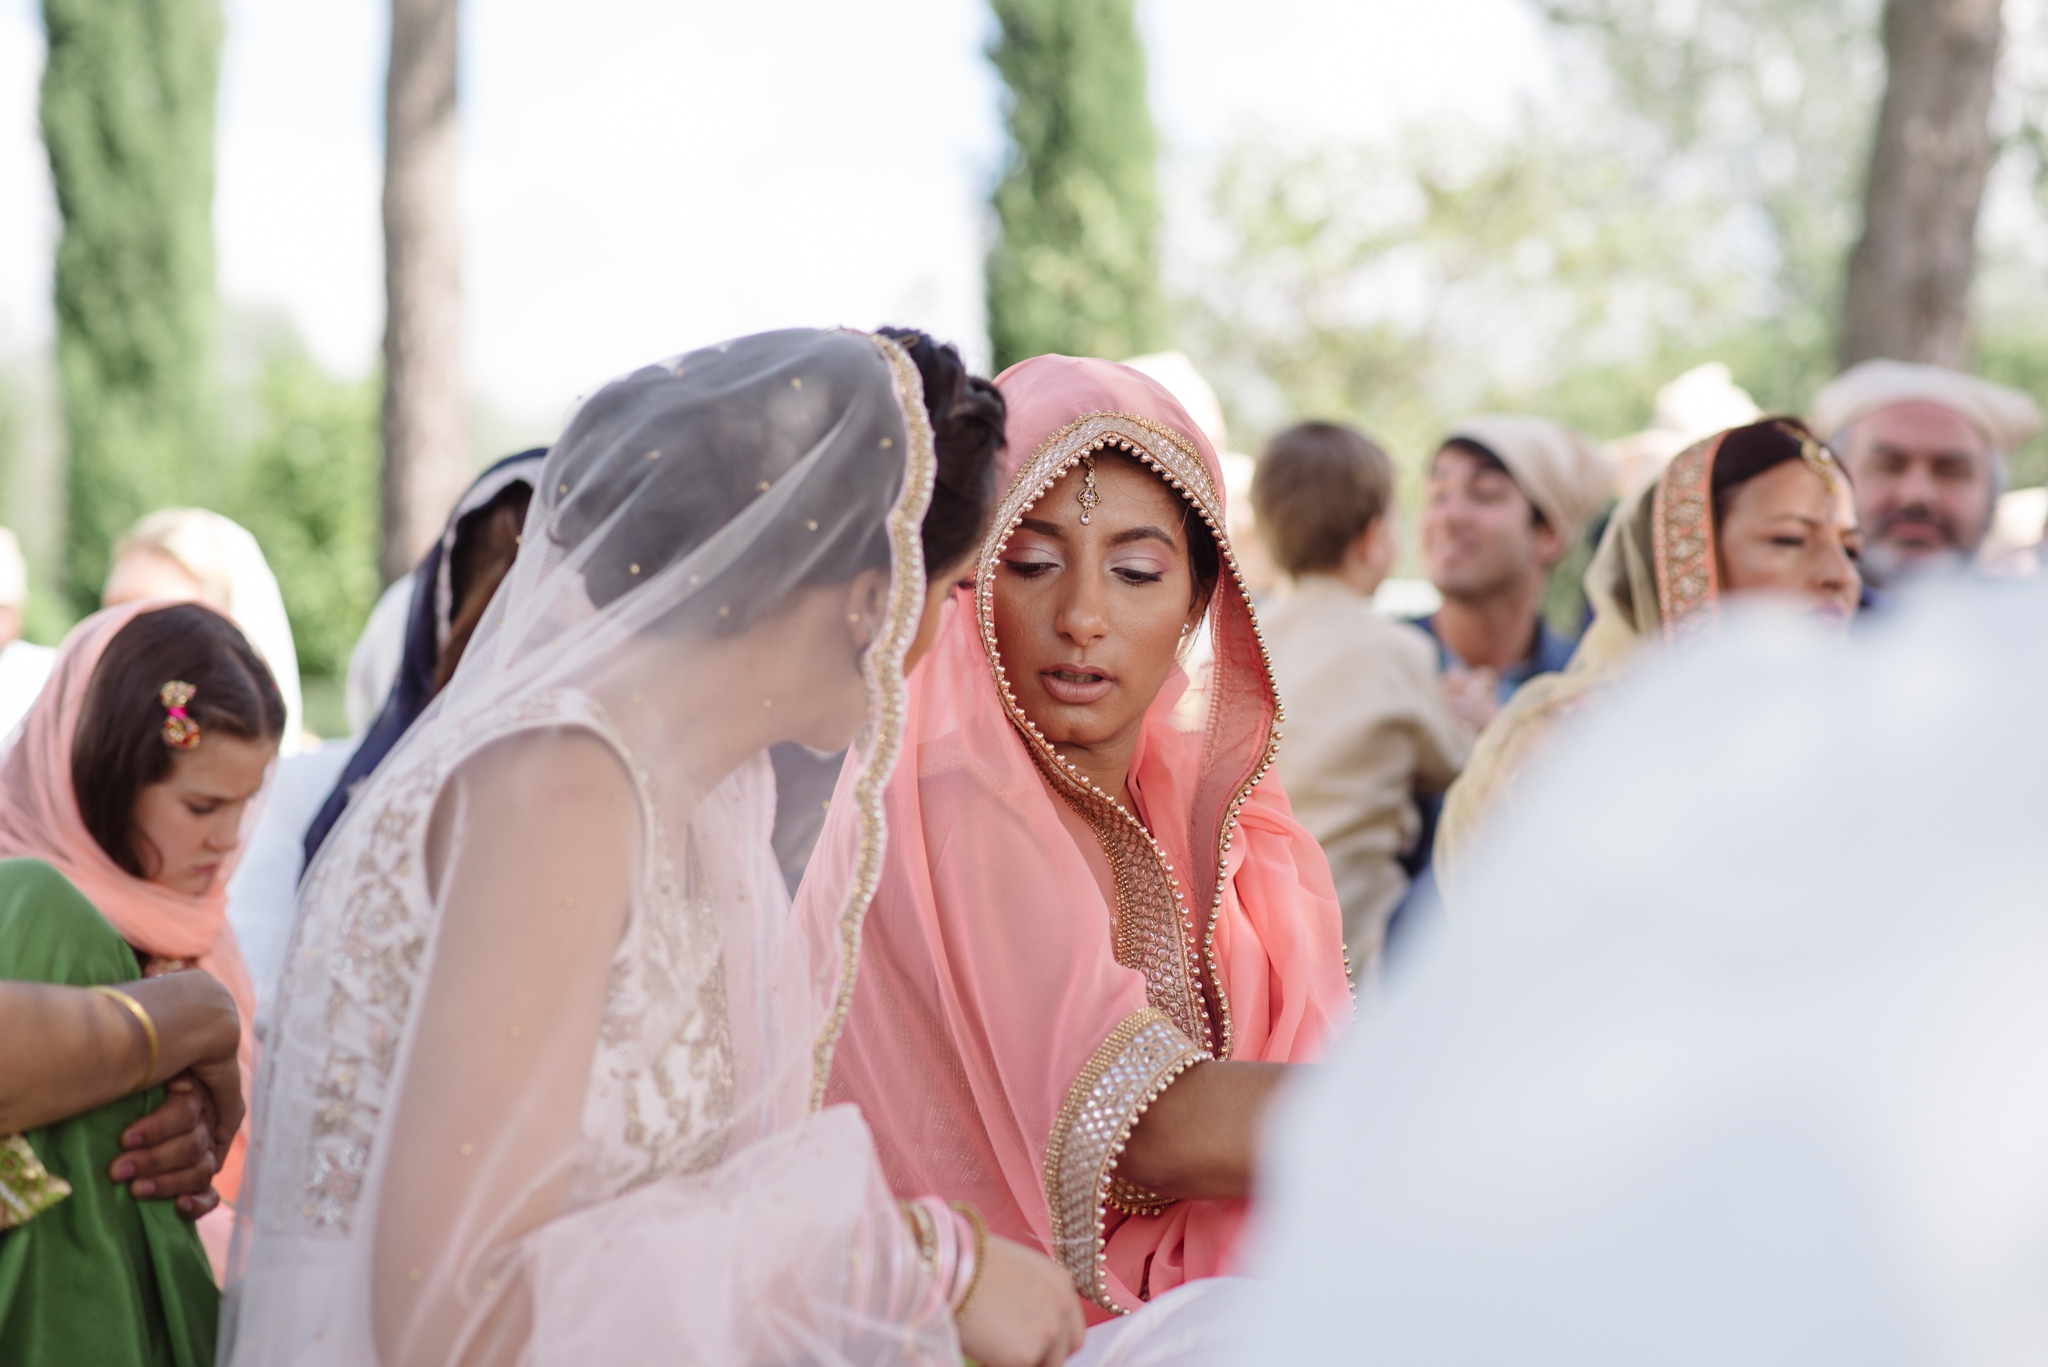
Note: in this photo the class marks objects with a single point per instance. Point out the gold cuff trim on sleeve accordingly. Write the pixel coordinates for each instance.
(1125, 1075)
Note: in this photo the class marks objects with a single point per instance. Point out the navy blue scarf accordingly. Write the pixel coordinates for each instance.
(425, 624)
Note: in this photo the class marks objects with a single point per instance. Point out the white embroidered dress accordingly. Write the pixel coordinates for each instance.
(501, 1120)
(660, 1091)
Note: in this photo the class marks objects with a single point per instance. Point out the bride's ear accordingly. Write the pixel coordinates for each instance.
(867, 601)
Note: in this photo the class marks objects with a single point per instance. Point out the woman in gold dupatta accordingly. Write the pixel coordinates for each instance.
(1762, 510)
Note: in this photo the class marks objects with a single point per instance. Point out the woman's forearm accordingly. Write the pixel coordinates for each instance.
(1195, 1141)
(67, 1050)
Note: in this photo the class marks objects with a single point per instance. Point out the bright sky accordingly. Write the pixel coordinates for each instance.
(643, 176)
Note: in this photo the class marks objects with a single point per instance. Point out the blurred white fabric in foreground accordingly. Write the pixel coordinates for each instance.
(1186, 1327)
(1738, 1052)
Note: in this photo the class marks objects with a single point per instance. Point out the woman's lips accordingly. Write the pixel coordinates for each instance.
(1078, 685)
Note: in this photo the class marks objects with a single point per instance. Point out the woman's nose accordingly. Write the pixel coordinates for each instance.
(1081, 617)
(1837, 570)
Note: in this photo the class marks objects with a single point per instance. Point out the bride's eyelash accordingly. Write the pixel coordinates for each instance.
(1029, 569)
(1140, 576)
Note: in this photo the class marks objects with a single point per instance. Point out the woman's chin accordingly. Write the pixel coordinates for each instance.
(1069, 724)
(192, 883)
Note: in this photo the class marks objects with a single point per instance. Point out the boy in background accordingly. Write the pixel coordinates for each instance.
(1367, 727)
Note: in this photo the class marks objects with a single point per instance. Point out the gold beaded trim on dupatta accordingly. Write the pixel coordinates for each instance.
(1154, 929)
(883, 669)
(1682, 543)
(1125, 1075)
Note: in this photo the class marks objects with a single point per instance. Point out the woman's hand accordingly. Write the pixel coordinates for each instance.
(202, 1037)
(1024, 1313)
(174, 1151)
(220, 1078)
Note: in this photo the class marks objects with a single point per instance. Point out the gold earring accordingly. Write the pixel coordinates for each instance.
(1090, 495)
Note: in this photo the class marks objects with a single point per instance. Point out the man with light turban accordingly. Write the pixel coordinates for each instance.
(1507, 497)
(1926, 447)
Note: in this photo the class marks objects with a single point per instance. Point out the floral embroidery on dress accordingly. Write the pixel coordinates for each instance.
(660, 1094)
(653, 1111)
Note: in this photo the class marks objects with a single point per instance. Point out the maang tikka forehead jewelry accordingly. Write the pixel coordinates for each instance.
(1818, 457)
(1090, 495)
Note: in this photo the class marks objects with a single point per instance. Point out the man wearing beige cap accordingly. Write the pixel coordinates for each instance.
(1506, 497)
(1926, 448)
(23, 667)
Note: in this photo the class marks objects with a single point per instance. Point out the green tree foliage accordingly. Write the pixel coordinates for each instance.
(1077, 267)
(1773, 103)
(31, 493)
(307, 490)
(1693, 198)
(127, 116)
(1399, 287)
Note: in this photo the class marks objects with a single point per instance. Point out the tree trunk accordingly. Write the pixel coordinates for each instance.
(426, 430)
(1908, 296)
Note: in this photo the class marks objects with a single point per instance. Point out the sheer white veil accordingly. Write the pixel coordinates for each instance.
(806, 456)
(723, 552)
(1735, 1050)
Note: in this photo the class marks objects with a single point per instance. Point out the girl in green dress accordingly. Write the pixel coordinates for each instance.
(124, 797)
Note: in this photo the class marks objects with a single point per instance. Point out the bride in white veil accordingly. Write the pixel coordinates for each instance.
(543, 1084)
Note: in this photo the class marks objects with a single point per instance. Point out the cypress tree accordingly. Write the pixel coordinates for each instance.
(1077, 267)
(127, 114)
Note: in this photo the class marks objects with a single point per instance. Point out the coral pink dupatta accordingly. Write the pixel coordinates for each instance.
(39, 819)
(1010, 1025)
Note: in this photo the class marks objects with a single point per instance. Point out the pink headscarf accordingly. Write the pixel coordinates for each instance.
(39, 819)
(1010, 1025)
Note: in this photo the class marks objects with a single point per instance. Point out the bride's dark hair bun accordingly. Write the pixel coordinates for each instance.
(967, 415)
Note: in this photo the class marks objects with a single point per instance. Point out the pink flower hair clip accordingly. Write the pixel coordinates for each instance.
(180, 731)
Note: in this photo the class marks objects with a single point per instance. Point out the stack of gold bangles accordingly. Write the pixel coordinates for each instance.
(953, 1242)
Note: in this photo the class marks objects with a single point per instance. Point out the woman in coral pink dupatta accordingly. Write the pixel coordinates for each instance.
(1047, 955)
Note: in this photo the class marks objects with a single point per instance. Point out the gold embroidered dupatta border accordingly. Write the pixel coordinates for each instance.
(883, 668)
(1121, 1079)
(1154, 930)
(1682, 543)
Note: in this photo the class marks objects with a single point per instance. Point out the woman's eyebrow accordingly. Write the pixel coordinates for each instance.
(1042, 527)
(1148, 532)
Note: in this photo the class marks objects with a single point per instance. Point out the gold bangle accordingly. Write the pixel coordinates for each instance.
(980, 1255)
(148, 1030)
